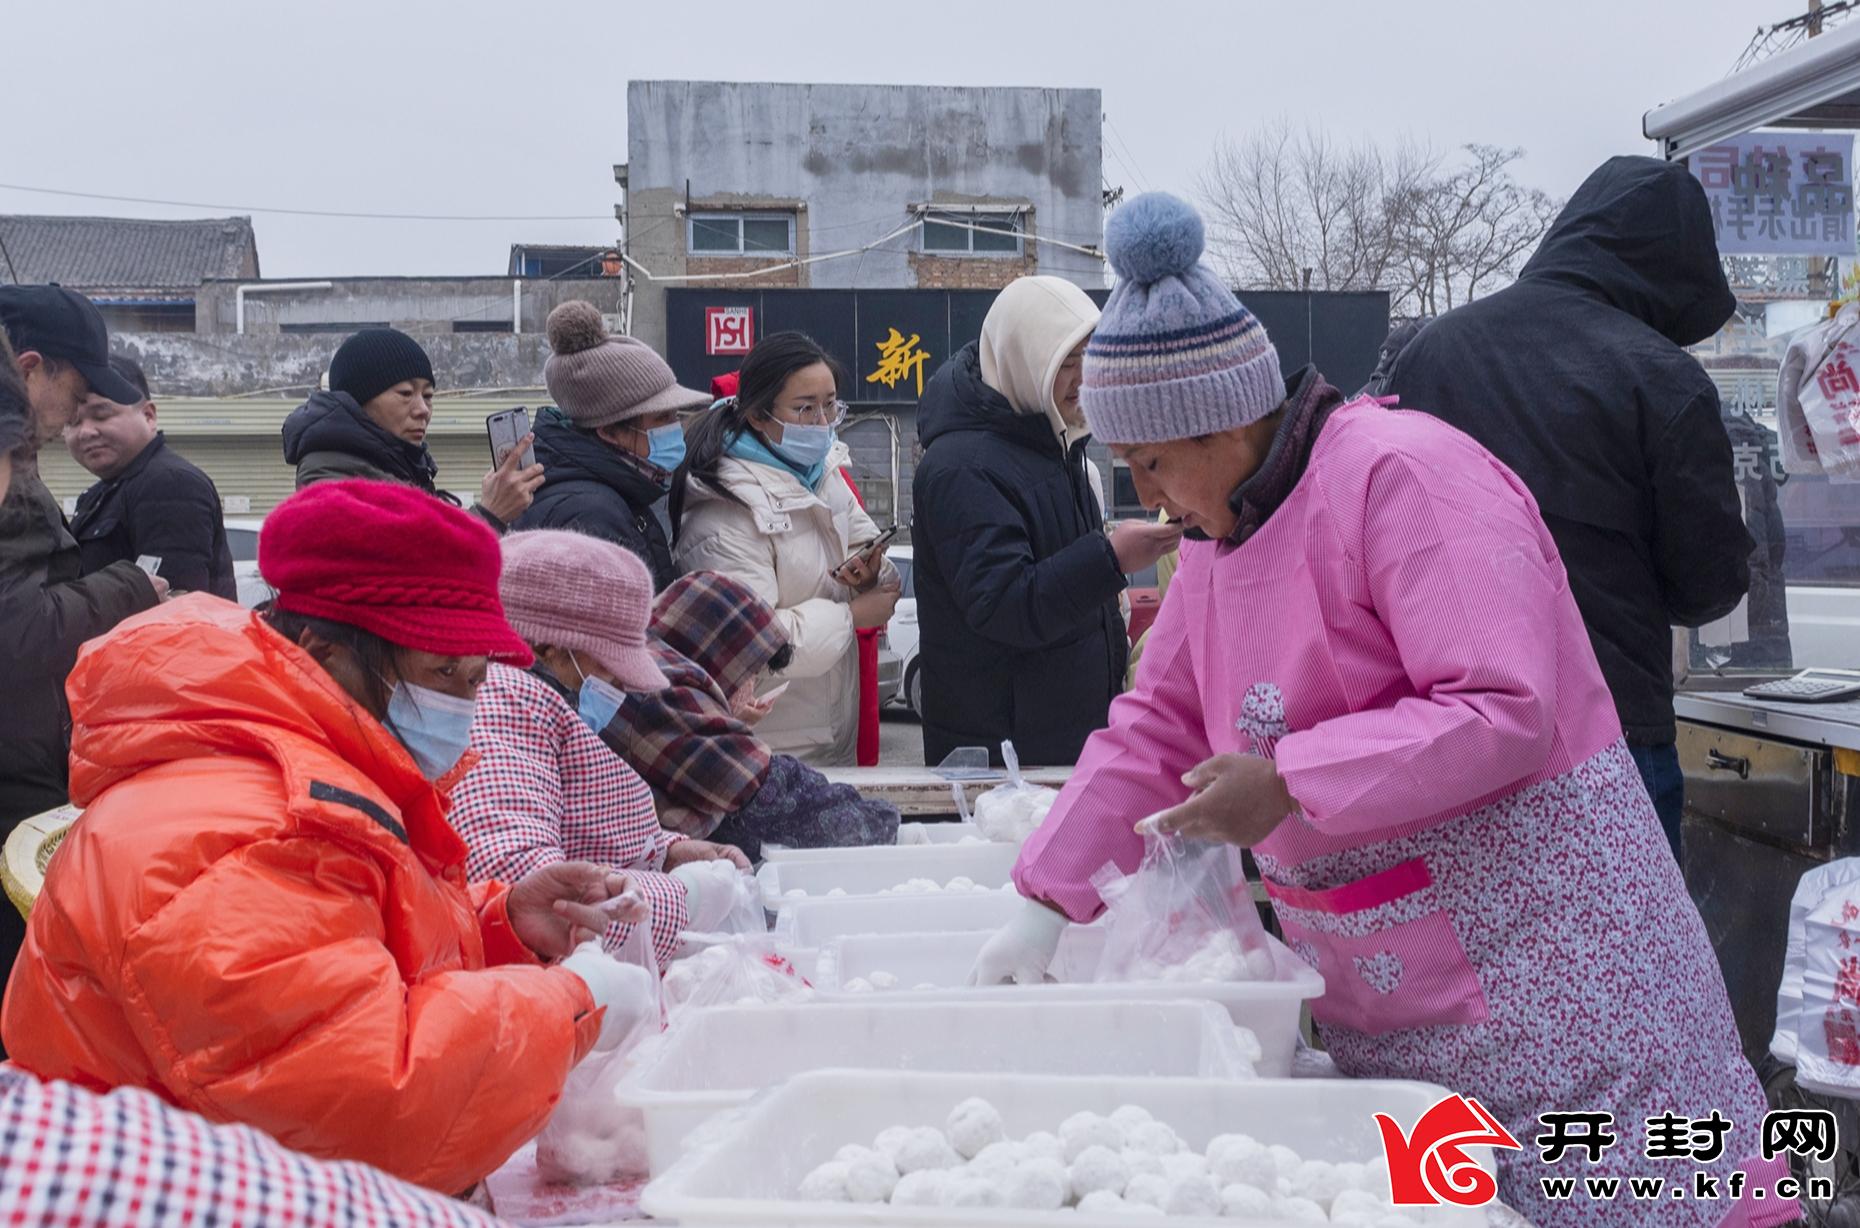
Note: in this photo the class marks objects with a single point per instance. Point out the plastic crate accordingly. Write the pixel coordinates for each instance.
(869, 871)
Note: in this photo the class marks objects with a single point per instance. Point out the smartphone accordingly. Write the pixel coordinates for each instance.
(150, 563)
(505, 428)
(774, 693)
(877, 543)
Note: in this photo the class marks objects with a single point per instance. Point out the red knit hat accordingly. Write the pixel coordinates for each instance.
(395, 562)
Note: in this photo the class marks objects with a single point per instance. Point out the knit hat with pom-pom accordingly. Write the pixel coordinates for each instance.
(598, 380)
(1175, 355)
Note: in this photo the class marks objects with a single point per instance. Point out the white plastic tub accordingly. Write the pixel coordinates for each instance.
(717, 1059)
(805, 926)
(869, 871)
(747, 1168)
(1269, 1008)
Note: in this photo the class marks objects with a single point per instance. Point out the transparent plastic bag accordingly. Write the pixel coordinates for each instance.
(1187, 914)
(590, 1139)
(1818, 399)
(731, 970)
(1009, 813)
(743, 914)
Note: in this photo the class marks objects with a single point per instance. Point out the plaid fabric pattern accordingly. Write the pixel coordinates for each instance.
(73, 1159)
(546, 789)
(709, 635)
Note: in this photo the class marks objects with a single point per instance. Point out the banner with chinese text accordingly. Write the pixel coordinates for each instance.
(1780, 194)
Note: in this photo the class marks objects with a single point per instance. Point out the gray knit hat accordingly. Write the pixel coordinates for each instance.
(598, 380)
(1175, 355)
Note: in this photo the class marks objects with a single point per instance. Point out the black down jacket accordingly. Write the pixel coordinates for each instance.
(1016, 582)
(590, 488)
(1575, 378)
(161, 505)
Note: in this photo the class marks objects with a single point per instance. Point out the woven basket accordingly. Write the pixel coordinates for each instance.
(28, 850)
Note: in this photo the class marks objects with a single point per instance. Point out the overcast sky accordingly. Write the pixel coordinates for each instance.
(475, 107)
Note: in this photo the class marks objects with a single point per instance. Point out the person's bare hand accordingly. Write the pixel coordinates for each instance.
(163, 591)
(686, 851)
(1238, 799)
(861, 571)
(1139, 545)
(745, 707)
(873, 607)
(558, 907)
(508, 490)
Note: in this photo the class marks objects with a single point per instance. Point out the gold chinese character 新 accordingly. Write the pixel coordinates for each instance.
(899, 358)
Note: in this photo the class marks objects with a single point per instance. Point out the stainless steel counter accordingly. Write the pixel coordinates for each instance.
(1836, 725)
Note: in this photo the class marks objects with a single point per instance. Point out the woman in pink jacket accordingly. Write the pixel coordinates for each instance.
(1370, 671)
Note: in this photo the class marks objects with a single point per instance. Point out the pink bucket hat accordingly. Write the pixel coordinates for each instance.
(578, 592)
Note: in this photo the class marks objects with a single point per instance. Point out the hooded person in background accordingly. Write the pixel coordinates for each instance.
(1017, 583)
(1575, 379)
(148, 500)
(609, 447)
(694, 740)
(372, 423)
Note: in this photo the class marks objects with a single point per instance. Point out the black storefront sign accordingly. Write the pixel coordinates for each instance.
(890, 340)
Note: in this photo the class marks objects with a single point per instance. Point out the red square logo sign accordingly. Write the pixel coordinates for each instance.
(729, 330)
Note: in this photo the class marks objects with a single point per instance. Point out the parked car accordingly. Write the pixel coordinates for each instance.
(900, 637)
(242, 538)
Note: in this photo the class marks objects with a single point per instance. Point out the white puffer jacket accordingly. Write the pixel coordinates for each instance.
(783, 544)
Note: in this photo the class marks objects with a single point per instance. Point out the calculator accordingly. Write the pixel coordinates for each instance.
(1808, 687)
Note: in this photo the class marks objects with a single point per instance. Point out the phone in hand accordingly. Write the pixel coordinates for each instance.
(872, 547)
(774, 693)
(149, 563)
(506, 428)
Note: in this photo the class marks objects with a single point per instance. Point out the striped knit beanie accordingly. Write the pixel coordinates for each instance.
(1175, 355)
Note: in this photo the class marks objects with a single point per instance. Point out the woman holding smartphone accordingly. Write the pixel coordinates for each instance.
(760, 498)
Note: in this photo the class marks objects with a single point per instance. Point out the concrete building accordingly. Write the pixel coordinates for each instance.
(728, 178)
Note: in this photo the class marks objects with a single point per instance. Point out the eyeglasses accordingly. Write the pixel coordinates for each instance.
(832, 414)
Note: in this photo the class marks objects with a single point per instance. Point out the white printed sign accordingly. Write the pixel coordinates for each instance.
(1780, 194)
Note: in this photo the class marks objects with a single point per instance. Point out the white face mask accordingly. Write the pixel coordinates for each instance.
(433, 726)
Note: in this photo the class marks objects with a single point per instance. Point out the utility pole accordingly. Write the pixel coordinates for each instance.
(1814, 18)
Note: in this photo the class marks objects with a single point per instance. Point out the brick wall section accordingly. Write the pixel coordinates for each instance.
(783, 279)
(940, 272)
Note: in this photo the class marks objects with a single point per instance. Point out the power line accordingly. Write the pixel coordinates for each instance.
(1143, 181)
(343, 213)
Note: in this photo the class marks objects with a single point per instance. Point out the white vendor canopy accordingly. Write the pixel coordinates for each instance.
(1814, 85)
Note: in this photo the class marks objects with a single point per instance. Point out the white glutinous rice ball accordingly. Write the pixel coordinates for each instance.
(1193, 1195)
(1130, 1116)
(1037, 1185)
(835, 893)
(1237, 1159)
(1299, 1211)
(870, 1177)
(857, 985)
(826, 1183)
(1317, 1180)
(1242, 1201)
(1353, 1176)
(1284, 1160)
(973, 1125)
(1155, 1138)
(799, 893)
(1044, 1143)
(1147, 1188)
(967, 1191)
(851, 1152)
(926, 1148)
(1082, 1130)
(1184, 1164)
(961, 882)
(1358, 1207)
(998, 1158)
(1143, 1163)
(1097, 1169)
(1101, 1202)
(891, 1140)
(883, 980)
(921, 1189)
(1376, 1178)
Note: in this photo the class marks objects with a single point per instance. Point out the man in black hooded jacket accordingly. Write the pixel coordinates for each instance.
(1575, 378)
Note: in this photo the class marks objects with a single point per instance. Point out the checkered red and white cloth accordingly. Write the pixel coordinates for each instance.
(73, 1159)
(547, 789)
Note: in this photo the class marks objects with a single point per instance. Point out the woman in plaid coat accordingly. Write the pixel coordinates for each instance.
(545, 787)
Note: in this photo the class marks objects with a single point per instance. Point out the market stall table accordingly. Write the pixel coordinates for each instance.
(919, 791)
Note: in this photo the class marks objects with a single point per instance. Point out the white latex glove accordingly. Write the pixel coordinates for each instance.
(711, 889)
(623, 990)
(1020, 950)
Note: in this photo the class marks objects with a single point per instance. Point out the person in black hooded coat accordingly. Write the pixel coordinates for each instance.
(1016, 580)
(1575, 378)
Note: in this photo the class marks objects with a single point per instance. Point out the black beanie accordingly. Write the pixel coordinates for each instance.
(376, 359)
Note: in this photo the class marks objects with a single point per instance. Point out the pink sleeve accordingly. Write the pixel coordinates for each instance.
(508, 807)
(1129, 770)
(1454, 564)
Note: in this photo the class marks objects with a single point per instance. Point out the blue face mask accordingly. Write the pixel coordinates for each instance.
(666, 446)
(433, 726)
(598, 700)
(804, 446)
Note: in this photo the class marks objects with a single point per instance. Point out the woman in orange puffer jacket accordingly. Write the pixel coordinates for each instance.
(263, 916)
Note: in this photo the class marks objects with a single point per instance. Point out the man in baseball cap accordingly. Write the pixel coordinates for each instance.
(62, 348)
